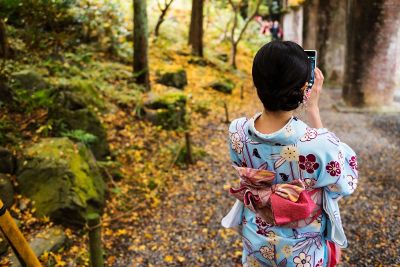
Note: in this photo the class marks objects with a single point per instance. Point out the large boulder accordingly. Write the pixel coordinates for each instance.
(167, 110)
(48, 240)
(63, 179)
(6, 190)
(72, 113)
(29, 79)
(176, 79)
(83, 89)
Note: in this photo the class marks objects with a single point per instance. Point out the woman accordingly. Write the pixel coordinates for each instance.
(291, 174)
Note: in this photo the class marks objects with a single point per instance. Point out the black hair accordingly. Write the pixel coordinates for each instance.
(280, 70)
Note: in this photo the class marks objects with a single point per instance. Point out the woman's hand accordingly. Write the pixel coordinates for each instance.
(313, 100)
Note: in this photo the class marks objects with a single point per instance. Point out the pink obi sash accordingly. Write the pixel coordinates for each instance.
(288, 205)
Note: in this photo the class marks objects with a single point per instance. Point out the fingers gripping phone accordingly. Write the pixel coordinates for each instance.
(312, 56)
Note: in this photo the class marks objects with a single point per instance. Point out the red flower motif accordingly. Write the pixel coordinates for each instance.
(308, 163)
(353, 163)
(333, 168)
(320, 263)
(262, 226)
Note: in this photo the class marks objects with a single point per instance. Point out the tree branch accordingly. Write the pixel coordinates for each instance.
(235, 20)
(249, 19)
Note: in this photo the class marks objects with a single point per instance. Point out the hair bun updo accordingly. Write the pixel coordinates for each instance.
(280, 70)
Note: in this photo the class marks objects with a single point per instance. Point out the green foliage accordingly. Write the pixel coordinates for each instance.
(7, 130)
(29, 100)
(37, 16)
(70, 22)
(102, 21)
(45, 129)
(84, 89)
(80, 136)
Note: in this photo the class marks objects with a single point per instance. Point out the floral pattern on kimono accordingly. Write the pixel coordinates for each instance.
(315, 156)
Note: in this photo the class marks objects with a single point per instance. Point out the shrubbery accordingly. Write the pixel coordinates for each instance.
(65, 23)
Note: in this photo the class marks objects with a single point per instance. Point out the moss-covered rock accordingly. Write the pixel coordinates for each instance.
(176, 79)
(167, 110)
(29, 79)
(82, 90)
(198, 61)
(223, 57)
(63, 179)
(75, 110)
(87, 121)
(225, 86)
(202, 107)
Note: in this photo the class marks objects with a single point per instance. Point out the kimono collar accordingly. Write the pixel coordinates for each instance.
(287, 135)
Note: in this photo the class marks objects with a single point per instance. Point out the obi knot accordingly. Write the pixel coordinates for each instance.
(275, 203)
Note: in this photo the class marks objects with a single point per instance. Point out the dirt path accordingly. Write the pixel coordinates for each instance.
(185, 230)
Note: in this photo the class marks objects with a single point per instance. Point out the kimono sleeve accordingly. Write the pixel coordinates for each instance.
(235, 143)
(234, 217)
(338, 174)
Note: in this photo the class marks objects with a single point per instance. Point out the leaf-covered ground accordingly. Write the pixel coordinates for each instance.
(158, 214)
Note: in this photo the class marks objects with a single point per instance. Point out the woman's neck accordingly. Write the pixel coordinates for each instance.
(270, 122)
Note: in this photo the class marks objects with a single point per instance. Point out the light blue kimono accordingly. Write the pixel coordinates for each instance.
(316, 157)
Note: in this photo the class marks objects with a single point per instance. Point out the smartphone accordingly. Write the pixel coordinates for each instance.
(312, 55)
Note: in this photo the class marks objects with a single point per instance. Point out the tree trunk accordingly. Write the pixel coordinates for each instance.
(373, 48)
(233, 55)
(196, 28)
(95, 246)
(140, 43)
(3, 40)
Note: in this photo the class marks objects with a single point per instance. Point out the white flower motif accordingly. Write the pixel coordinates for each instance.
(310, 183)
(309, 135)
(267, 252)
(287, 250)
(352, 181)
(341, 160)
(290, 153)
(289, 130)
(237, 144)
(272, 238)
(303, 260)
(251, 262)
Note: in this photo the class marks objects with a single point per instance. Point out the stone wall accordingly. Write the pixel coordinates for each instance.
(325, 31)
(293, 25)
(372, 55)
